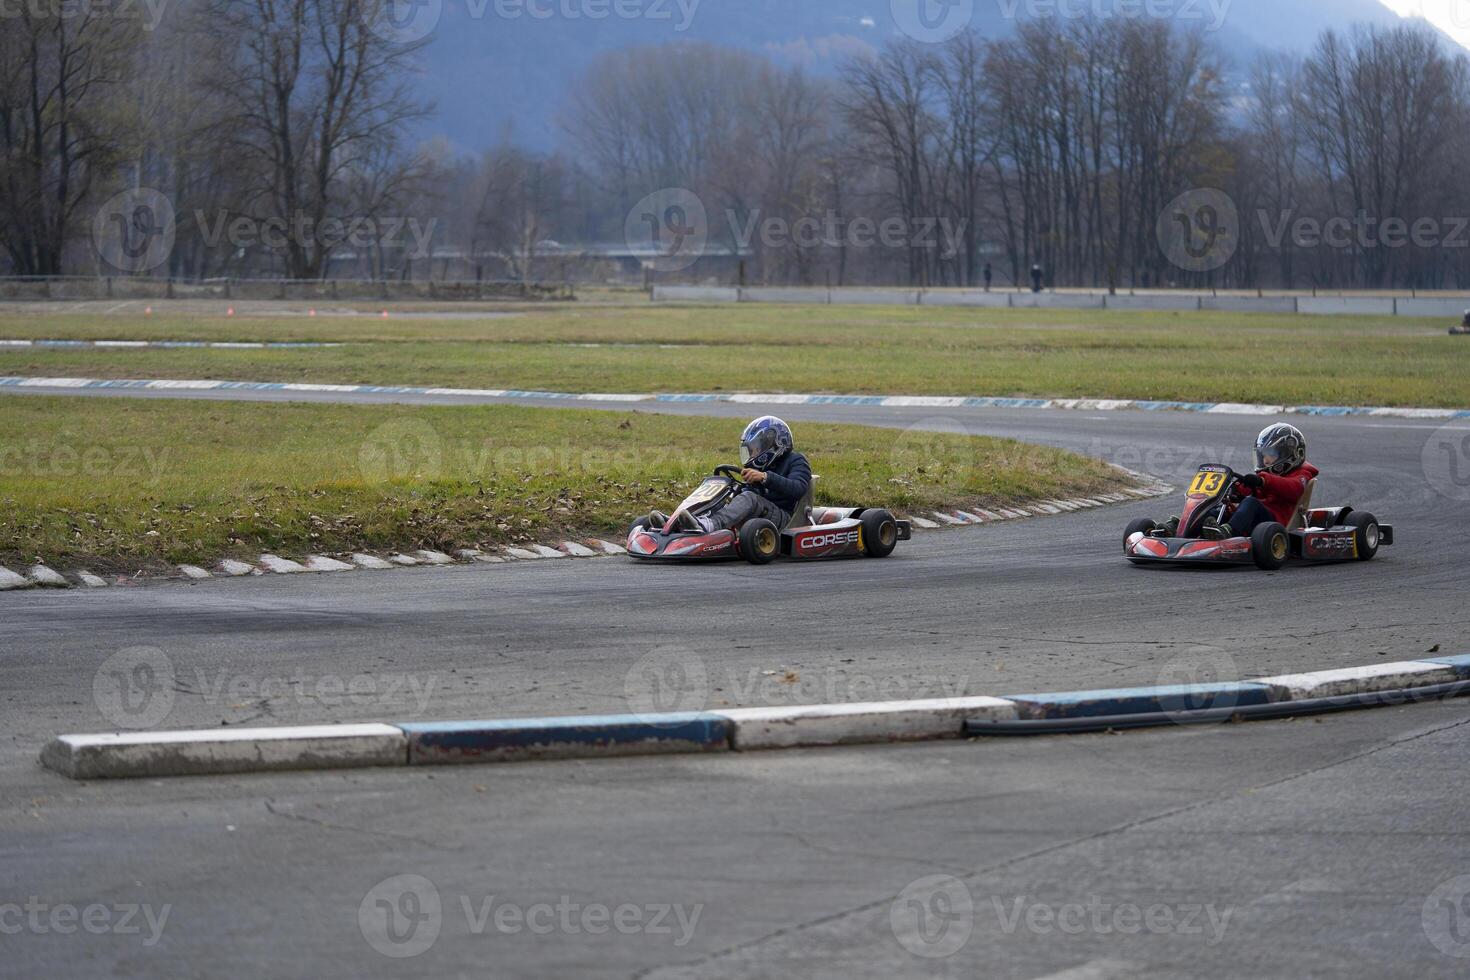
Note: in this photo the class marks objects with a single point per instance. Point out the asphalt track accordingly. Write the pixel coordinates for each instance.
(1325, 840)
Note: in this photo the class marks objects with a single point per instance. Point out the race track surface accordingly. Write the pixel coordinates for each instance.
(1326, 838)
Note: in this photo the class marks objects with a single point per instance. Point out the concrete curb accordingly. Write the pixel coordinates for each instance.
(219, 751)
(62, 385)
(226, 750)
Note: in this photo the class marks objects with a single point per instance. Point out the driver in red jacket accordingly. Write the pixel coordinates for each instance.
(1274, 491)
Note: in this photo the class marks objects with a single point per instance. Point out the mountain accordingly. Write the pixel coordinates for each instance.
(501, 69)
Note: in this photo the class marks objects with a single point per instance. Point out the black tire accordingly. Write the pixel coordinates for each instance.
(759, 541)
(1367, 535)
(1143, 524)
(1270, 546)
(880, 533)
(639, 525)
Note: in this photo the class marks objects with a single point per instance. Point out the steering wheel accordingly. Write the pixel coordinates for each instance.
(725, 469)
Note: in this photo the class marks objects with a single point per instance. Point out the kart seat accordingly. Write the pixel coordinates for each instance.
(1303, 507)
(802, 516)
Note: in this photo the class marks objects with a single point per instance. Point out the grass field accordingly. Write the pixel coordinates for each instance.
(122, 485)
(859, 350)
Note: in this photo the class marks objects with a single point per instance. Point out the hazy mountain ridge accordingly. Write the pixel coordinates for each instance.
(495, 71)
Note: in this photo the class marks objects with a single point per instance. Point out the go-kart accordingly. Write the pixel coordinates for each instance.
(1324, 534)
(812, 533)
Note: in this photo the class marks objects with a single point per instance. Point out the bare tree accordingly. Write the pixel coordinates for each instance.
(62, 124)
(314, 89)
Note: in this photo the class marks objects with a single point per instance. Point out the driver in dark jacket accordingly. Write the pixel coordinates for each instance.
(776, 476)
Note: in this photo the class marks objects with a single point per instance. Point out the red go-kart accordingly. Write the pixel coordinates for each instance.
(822, 532)
(1315, 534)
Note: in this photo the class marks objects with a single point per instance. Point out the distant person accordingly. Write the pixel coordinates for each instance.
(1464, 326)
(1036, 278)
(990, 274)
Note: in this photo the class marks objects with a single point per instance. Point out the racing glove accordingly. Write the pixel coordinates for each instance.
(1252, 480)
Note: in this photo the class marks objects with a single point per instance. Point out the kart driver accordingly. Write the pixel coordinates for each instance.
(776, 478)
(1274, 491)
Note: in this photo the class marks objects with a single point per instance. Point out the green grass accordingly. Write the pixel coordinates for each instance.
(820, 349)
(121, 485)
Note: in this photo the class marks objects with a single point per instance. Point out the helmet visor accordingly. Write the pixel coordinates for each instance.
(759, 450)
(1269, 457)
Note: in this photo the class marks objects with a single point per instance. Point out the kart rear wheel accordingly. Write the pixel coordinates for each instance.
(1143, 524)
(1270, 546)
(759, 541)
(880, 533)
(1366, 536)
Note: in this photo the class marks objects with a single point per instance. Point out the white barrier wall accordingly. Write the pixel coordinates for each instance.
(964, 297)
(1056, 301)
(1435, 306)
(1152, 302)
(876, 297)
(1444, 307)
(763, 294)
(1249, 304)
(1345, 305)
(695, 294)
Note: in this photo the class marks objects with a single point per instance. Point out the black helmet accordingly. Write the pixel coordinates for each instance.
(765, 440)
(1280, 448)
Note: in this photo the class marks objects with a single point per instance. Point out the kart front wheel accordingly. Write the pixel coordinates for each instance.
(759, 541)
(880, 533)
(1269, 546)
(1366, 535)
(1143, 524)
